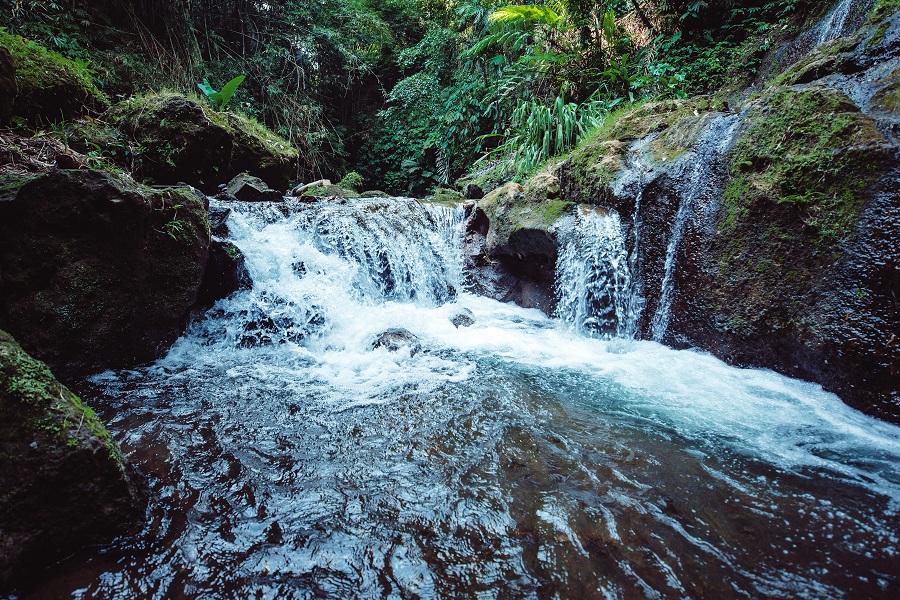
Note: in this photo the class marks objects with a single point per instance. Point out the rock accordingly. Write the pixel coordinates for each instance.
(318, 190)
(218, 221)
(521, 243)
(473, 192)
(447, 196)
(64, 481)
(97, 271)
(174, 138)
(49, 86)
(799, 270)
(395, 339)
(8, 86)
(375, 194)
(247, 188)
(463, 318)
(226, 272)
(258, 151)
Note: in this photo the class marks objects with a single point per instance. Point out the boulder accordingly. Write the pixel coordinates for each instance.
(8, 86)
(226, 272)
(97, 271)
(374, 194)
(248, 188)
(63, 481)
(218, 220)
(396, 339)
(49, 86)
(173, 139)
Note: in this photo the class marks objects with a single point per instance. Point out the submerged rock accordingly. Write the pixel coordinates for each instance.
(463, 318)
(97, 271)
(64, 481)
(396, 339)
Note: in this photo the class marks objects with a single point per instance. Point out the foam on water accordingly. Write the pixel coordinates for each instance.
(290, 459)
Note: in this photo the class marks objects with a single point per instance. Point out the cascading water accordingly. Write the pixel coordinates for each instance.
(702, 183)
(289, 456)
(593, 279)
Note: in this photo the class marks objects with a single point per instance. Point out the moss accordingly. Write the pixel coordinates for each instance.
(807, 150)
(32, 401)
(351, 181)
(551, 211)
(447, 196)
(887, 99)
(883, 8)
(10, 183)
(323, 191)
(50, 86)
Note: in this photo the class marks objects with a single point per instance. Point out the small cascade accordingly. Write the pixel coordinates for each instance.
(702, 183)
(593, 277)
(831, 26)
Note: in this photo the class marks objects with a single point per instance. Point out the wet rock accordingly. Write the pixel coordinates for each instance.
(8, 86)
(248, 188)
(226, 272)
(463, 318)
(473, 192)
(396, 339)
(64, 481)
(218, 221)
(97, 271)
(520, 247)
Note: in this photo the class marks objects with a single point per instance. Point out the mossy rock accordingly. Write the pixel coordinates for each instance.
(374, 194)
(8, 86)
(258, 151)
(174, 139)
(521, 217)
(63, 481)
(329, 191)
(98, 271)
(588, 172)
(49, 86)
(447, 197)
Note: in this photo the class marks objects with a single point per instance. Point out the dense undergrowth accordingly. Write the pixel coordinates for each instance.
(413, 93)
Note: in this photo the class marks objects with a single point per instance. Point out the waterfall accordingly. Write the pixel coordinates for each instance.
(593, 277)
(702, 183)
(832, 25)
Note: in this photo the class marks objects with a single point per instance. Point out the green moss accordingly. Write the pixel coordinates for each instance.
(323, 191)
(351, 181)
(38, 406)
(883, 8)
(808, 151)
(50, 85)
(551, 211)
(11, 183)
(447, 196)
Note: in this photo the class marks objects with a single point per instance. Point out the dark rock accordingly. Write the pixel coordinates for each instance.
(248, 188)
(67, 161)
(395, 339)
(218, 220)
(174, 138)
(8, 86)
(97, 271)
(463, 318)
(473, 192)
(226, 273)
(64, 481)
(49, 86)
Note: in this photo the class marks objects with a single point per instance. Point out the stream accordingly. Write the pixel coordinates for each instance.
(523, 456)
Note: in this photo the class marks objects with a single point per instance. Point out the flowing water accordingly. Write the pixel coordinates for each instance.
(289, 457)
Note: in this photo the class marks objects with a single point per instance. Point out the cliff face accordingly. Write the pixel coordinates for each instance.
(769, 234)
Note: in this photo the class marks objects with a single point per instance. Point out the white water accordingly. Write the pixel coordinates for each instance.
(700, 184)
(831, 26)
(290, 459)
